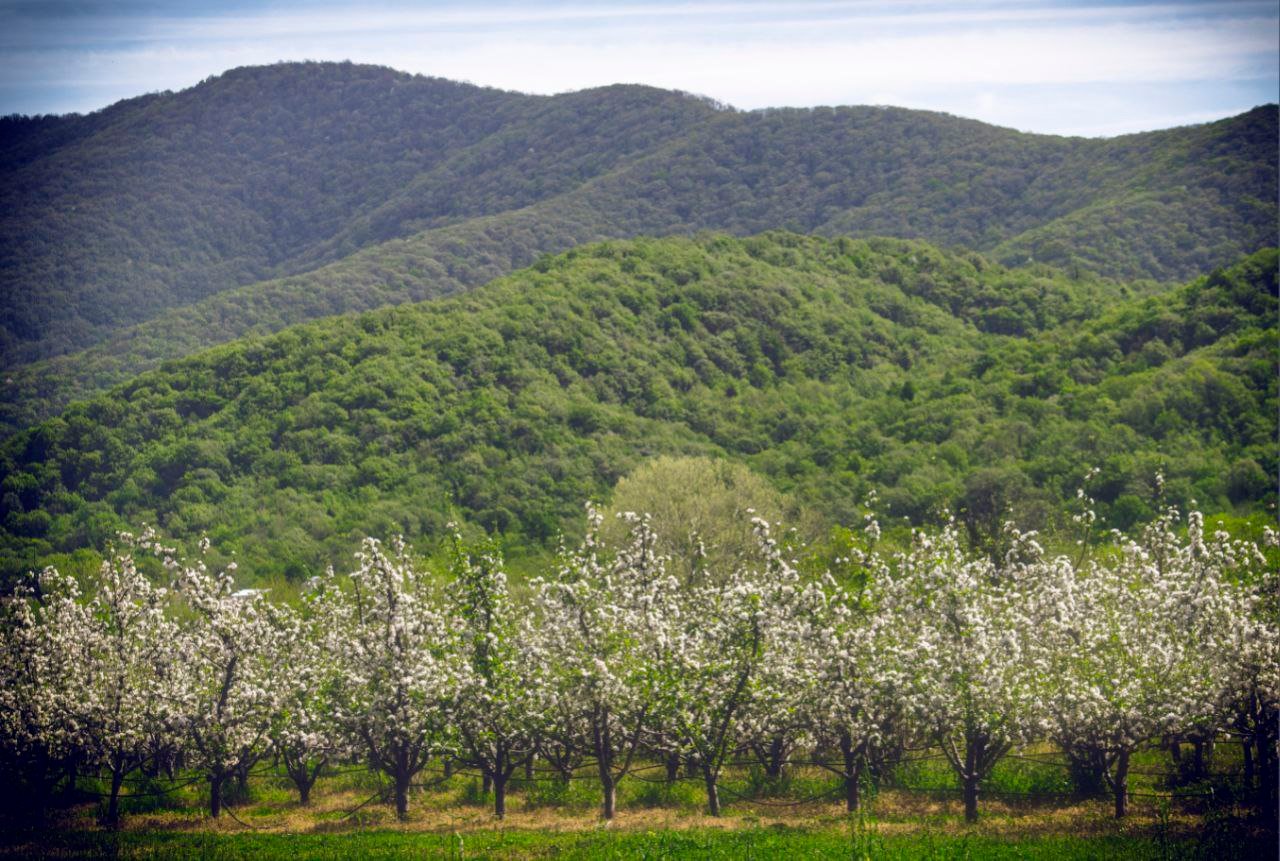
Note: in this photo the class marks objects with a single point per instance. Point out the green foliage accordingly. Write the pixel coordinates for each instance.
(166, 199)
(510, 405)
(700, 508)
(268, 196)
(696, 843)
(542, 792)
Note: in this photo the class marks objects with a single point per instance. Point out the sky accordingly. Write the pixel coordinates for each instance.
(1083, 68)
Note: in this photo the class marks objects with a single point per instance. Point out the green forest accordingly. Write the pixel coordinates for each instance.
(620, 472)
(945, 382)
(268, 196)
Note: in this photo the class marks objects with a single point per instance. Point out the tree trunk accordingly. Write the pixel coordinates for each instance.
(528, 768)
(486, 783)
(113, 806)
(971, 798)
(303, 777)
(609, 796)
(402, 779)
(215, 795)
(1121, 784)
(242, 780)
(1246, 748)
(973, 753)
(673, 767)
(448, 768)
(852, 774)
(713, 792)
(604, 768)
(1266, 765)
(1088, 771)
(776, 758)
(500, 794)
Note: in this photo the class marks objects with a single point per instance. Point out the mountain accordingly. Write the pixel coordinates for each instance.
(160, 201)
(939, 378)
(272, 195)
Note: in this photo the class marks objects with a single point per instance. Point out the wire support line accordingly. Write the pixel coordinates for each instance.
(158, 792)
(381, 793)
(232, 814)
(810, 800)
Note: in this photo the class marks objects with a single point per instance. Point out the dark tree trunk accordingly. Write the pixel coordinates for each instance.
(852, 773)
(775, 758)
(1266, 765)
(604, 768)
(486, 783)
(215, 795)
(448, 768)
(1246, 748)
(113, 805)
(673, 767)
(402, 778)
(70, 773)
(1198, 759)
(500, 793)
(971, 798)
(603, 747)
(609, 796)
(242, 780)
(303, 776)
(1120, 784)
(713, 792)
(528, 768)
(1088, 771)
(972, 756)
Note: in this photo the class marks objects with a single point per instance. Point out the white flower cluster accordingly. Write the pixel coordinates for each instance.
(613, 660)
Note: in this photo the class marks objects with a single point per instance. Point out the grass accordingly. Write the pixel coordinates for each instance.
(732, 843)
(1026, 813)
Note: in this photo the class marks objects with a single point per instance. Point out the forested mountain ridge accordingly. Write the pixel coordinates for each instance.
(148, 228)
(833, 367)
(164, 200)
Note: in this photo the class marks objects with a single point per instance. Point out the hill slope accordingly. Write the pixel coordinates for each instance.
(164, 200)
(151, 211)
(832, 366)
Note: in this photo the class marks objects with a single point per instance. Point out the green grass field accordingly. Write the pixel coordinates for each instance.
(1027, 812)
(775, 841)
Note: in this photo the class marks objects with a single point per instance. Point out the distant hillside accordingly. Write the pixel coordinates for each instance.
(831, 366)
(162, 200)
(152, 211)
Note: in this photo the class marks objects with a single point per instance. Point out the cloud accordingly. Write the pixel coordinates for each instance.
(973, 58)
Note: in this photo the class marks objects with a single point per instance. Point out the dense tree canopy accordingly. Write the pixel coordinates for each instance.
(612, 661)
(273, 195)
(832, 367)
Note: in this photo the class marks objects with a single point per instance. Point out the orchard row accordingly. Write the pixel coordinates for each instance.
(613, 660)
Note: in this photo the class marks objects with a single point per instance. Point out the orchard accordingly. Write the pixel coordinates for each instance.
(619, 658)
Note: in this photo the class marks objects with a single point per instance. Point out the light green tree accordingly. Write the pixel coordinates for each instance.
(700, 508)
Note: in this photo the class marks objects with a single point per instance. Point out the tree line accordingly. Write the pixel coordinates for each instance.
(830, 367)
(612, 659)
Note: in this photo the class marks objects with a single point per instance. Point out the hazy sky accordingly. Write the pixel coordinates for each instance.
(1091, 68)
